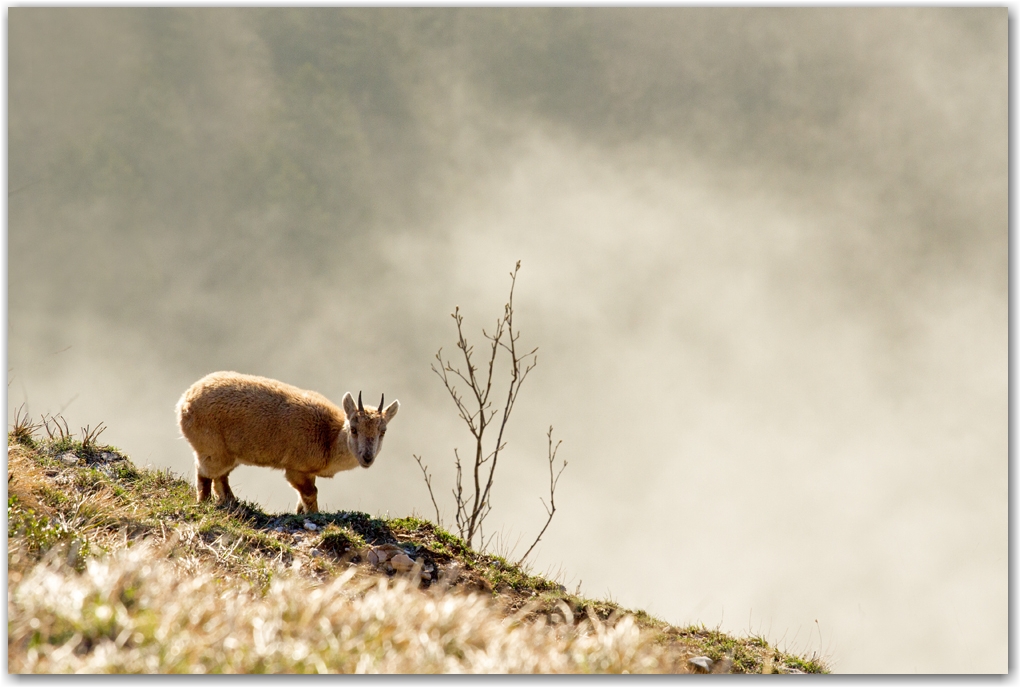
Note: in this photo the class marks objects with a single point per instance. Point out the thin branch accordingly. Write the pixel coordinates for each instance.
(428, 483)
(479, 500)
(465, 415)
(553, 480)
(517, 378)
(486, 542)
(467, 350)
(458, 497)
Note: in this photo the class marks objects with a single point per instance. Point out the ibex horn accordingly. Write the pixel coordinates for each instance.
(360, 407)
(381, 400)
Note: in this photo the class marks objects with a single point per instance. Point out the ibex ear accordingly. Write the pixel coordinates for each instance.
(350, 407)
(391, 411)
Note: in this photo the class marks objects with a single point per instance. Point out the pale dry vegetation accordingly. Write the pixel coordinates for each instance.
(114, 568)
(137, 611)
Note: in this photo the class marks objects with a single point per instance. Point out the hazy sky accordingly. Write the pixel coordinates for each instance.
(764, 259)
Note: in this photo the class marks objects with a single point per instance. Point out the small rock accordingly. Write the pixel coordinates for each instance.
(310, 526)
(402, 562)
(382, 554)
(450, 574)
(68, 457)
(72, 554)
(702, 664)
(372, 557)
(315, 553)
(426, 575)
(723, 665)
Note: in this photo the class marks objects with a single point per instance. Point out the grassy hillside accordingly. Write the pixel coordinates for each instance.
(115, 568)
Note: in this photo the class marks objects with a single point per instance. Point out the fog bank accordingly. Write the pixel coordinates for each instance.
(764, 259)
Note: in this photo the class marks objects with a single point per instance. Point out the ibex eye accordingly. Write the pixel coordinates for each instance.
(354, 431)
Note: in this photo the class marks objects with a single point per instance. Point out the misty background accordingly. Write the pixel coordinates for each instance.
(764, 259)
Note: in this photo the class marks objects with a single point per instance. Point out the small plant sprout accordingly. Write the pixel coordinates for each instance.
(23, 429)
(60, 431)
(89, 436)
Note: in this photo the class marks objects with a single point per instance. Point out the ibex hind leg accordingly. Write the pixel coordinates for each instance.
(211, 473)
(304, 484)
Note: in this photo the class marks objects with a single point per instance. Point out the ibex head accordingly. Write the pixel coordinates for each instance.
(366, 427)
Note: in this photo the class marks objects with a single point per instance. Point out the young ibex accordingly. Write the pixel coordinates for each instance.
(233, 419)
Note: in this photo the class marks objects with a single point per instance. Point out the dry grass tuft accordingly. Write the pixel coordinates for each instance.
(89, 436)
(59, 431)
(23, 430)
(139, 612)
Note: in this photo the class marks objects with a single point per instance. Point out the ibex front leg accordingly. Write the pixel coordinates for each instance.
(221, 486)
(307, 492)
(204, 488)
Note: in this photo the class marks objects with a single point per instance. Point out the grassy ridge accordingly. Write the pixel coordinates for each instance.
(115, 568)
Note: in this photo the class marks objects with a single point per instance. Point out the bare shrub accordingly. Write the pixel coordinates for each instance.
(476, 408)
